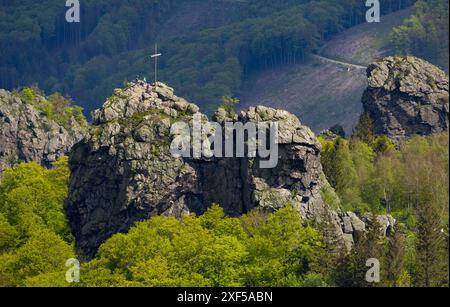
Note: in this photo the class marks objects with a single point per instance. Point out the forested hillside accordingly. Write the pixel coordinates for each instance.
(257, 249)
(325, 93)
(425, 34)
(87, 60)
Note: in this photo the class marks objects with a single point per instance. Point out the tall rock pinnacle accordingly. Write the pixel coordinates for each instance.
(406, 96)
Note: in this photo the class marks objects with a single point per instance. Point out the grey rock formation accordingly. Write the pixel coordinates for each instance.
(406, 96)
(328, 135)
(386, 223)
(27, 135)
(124, 172)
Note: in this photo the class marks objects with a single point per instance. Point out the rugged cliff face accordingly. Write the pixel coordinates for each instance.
(124, 172)
(28, 135)
(407, 96)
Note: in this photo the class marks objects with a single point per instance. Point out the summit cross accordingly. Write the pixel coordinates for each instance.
(155, 56)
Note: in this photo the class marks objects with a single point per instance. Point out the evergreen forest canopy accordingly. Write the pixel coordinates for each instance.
(87, 60)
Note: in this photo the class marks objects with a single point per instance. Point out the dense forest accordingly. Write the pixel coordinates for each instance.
(87, 60)
(425, 34)
(257, 249)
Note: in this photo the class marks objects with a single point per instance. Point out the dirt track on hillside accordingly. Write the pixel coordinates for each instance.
(327, 89)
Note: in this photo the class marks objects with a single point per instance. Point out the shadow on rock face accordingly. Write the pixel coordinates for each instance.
(406, 96)
(124, 172)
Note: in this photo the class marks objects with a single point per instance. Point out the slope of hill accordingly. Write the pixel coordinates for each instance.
(366, 42)
(209, 46)
(194, 16)
(325, 92)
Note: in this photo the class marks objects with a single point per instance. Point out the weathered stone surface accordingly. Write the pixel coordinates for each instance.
(328, 135)
(27, 135)
(352, 226)
(123, 171)
(406, 96)
(385, 222)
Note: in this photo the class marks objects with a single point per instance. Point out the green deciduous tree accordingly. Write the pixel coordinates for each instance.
(212, 250)
(425, 33)
(35, 239)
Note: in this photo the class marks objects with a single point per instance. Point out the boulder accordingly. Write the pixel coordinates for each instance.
(406, 96)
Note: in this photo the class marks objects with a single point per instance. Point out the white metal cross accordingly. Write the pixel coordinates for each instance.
(156, 56)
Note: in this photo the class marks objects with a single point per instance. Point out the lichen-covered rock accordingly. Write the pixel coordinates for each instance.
(328, 135)
(28, 135)
(406, 96)
(386, 223)
(124, 172)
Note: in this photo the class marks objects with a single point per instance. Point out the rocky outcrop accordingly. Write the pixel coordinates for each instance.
(328, 135)
(28, 135)
(124, 172)
(353, 227)
(406, 96)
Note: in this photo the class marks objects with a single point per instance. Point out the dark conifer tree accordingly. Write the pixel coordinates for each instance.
(351, 269)
(334, 247)
(394, 260)
(364, 129)
(431, 248)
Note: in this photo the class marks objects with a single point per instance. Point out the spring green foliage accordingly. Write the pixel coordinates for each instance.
(425, 33)
(229, 105)
(211, 250)
(340, 169)
(56, 107)
(257, 249)
(35, 238)
(88, 59)
(330, 197)
(384, 179)
(410, 183)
